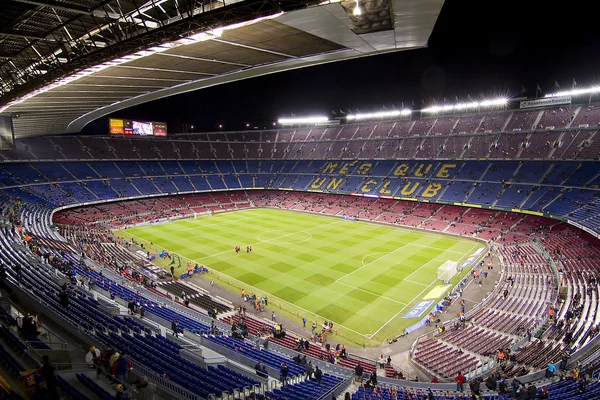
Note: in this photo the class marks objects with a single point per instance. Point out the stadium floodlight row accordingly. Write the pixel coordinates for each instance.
(473, 105)
(502, 200)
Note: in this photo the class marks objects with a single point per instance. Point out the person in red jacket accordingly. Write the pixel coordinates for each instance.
(121, 366)
(460, 381)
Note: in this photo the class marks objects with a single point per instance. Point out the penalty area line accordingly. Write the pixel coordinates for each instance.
(465, 255)
(371, 293)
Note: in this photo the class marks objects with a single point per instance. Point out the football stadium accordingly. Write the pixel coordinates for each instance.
(439, 249)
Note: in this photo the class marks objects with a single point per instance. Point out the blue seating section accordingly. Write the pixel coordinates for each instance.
(529, 185)
(125, 334)
(94, 387)
(307, 390)
(71, 391)
(248, 350)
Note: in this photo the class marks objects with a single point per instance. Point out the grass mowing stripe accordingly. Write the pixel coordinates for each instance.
(301, 259)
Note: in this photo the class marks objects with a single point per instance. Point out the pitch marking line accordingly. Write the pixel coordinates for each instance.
(369, 255)
(404, 308)
(220, 223)
(465, 256)
(371, 293)
(372, 262)
(252, 244)
(268, 241)
(413, 282)
(421, 267)
(438, 248)
(309, 237)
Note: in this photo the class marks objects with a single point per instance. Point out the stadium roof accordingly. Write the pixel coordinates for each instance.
(65, 63)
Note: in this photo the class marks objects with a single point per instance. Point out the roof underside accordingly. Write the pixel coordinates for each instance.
(295, 39)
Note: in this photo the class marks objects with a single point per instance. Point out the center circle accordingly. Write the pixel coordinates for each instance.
(281, 236)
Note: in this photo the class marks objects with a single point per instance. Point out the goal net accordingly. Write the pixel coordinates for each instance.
(447, 270)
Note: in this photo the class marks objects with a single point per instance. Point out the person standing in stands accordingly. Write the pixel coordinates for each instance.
(49, 377)
(92, 357)
(309, 370)
(373, 378)
(19, 271)
(460, 382)
(2, 274)
(283, 373)
(318, 375)
(120, 367)
(358, 372)
(145, 390)
(121, 393)
(175, 328)
(63, 299)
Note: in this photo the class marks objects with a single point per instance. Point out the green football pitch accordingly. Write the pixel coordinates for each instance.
(364, 277)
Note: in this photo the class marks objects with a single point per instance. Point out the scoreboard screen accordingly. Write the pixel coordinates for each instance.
(136, 128)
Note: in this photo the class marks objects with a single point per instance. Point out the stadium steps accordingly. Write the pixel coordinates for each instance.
(559, 140)
(575, 113)
(507, 122)
(550, 167)
(536, 122)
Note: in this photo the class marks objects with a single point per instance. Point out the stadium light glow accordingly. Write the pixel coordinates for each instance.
(501, 102)
(199, 37)
(380, 114)
(303, 120)
(575, 92)
(357, 11)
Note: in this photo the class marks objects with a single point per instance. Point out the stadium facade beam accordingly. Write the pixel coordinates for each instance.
(21, 34)
(230, 14)
(56, 5)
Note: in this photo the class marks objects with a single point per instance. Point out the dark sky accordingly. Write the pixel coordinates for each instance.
(478, 47)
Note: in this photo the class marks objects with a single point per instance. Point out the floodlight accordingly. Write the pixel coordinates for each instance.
(466, 106)
(303, 120)
(575, 92)
(357, 10)
(381, 114)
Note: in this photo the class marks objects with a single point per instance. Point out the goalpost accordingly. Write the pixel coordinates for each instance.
(447, 270)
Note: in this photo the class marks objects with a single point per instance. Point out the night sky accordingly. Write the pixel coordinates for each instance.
(477, 48)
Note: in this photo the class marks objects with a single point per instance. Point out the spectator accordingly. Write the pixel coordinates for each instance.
(475, 387)
(309, 371)
(175, 327)
(318, 374)
(543, 394)
(50, 377)
(460, 381)
(121, 367)
(121, 394)
(92, 357)
(283, 373)
(373, 378)
(531, 391)
(358, 372)
(145, 390)
(430, 395)
(516, 384)
(381, 361)
(261, 370)
(550, 370)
